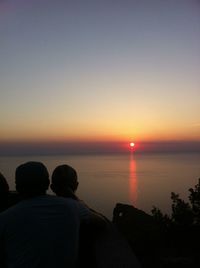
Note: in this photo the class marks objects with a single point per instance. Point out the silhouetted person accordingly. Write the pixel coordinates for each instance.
(4, 188)
(41, 231)
(7, 198)
(65, 183)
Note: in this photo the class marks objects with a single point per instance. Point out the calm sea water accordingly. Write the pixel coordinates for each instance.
(139, 180)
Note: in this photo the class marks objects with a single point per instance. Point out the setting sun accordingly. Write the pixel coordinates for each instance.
(132, 144)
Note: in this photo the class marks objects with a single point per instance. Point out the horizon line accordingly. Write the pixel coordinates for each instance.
(97, 147)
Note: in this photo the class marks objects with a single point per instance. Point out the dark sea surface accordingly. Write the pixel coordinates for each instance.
(142, 180)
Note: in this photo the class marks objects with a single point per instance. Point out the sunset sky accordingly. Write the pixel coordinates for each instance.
(114, 70)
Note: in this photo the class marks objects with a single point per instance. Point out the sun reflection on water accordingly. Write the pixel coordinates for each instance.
(132, 181)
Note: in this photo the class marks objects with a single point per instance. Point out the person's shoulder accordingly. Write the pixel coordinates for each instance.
(71, 202)
(76, 205)
(62, 200)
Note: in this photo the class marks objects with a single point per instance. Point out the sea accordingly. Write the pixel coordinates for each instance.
(140, 180)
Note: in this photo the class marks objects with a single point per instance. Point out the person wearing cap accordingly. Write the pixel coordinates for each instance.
(41, 230)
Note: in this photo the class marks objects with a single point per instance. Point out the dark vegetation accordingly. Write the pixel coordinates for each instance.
(161, 240)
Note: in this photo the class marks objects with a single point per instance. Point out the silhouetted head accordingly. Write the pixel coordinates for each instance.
(64, 178)
(32, 179)
(4, 188)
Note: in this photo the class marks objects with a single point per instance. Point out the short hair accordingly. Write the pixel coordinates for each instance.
(64, 176)
(4, 187)
(32, 179)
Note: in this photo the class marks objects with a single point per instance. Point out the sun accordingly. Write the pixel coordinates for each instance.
(132, 144)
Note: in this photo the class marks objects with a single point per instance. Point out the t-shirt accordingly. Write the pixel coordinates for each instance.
(41, 232)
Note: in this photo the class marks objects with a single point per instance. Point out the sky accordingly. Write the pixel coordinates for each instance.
(99, 71)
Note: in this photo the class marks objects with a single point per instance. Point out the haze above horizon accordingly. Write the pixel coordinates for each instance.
(99, 71)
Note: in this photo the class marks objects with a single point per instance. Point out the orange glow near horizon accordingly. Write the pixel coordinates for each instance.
(59, 131)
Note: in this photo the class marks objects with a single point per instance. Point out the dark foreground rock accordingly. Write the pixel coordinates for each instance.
(154, 244)
(141, 231)
(113, 250)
